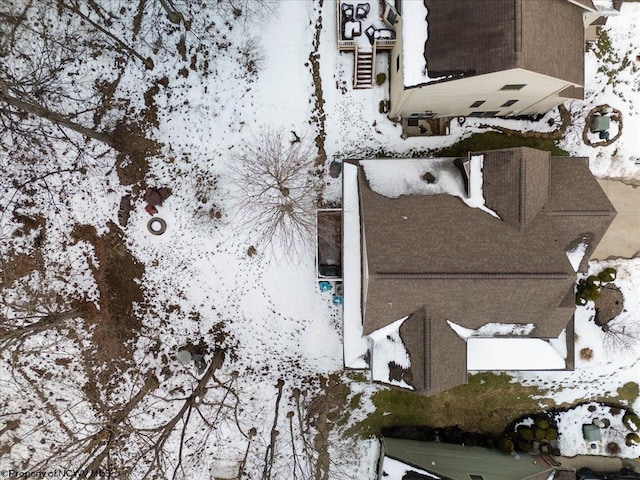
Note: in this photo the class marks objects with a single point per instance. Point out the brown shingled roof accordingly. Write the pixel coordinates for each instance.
(516, 183)
(553, 37)
(433, 258)
(469, 37)
(476, 37)
(438, 355)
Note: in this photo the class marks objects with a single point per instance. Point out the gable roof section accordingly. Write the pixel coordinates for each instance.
(516, 183)
(477, 37)
(432, 234)
(438, 355)
(578, 208)
(553, 37)
(471, 300)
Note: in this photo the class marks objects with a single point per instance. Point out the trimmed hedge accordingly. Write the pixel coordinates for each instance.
(608, 275)
(505, 445)
(631, 421)
(632, 439)
(525, 433)
(551, 434)
(542, 423)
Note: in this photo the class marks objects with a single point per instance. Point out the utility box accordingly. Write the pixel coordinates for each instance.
(600, 123)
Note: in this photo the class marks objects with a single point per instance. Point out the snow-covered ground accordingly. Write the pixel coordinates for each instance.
(612, 77)
(611, 427)
(279, 332)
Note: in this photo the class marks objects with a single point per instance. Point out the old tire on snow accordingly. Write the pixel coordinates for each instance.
(156, 226)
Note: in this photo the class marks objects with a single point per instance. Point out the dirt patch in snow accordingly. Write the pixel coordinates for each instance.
(16, 265)
(608, 305)
(319, 115)
(324, 411)
(117, 274)
(135, 149)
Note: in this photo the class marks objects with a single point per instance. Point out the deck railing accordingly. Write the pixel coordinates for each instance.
(385, 43)
(373, 60)
(355, 66)
(346, 45)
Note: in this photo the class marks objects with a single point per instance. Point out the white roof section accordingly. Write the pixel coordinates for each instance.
(387, 348)
(476, 182)
(604, 6)
(395, 470)
(355, 346)
(414, 36)
(576, 255)
(513, 354)
(393, 178)
(493, 330)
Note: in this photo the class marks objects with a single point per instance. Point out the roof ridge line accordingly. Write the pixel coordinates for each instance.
(582, 213)
(426, 368)
(522, 191)
(470, 275)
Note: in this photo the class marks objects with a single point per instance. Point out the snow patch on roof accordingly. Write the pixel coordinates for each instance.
(512, 354)
(414, 35)
(560, 344)
(393, 178)
(492, 330)
(389, 348)
(476, 181)
(604, 6)
(576, 255)
(395, 470)
(355, 346)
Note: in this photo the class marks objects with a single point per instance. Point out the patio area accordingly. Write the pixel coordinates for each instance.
(360, 25)
(364, 28)
(416, 126)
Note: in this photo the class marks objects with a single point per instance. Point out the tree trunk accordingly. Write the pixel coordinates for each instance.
(173, 15)
(58, 118)
(148, 63)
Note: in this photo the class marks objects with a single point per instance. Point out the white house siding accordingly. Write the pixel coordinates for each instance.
(396, 77)
(453, 98)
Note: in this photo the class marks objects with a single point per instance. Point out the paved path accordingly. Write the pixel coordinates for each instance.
(623, 237)
(597, 463)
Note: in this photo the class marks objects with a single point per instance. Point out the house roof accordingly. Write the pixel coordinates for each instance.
(543, 36)
(516, 183)
(433, 258)
(456, 462)
(438, 356)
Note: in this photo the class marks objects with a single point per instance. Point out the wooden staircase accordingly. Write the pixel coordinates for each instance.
(364, 66)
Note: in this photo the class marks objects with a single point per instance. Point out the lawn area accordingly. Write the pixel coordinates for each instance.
(488, 403)
(495, 140)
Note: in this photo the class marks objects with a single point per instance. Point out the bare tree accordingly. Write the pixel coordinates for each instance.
(246, 10)
(277, 190)
(621, 335)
